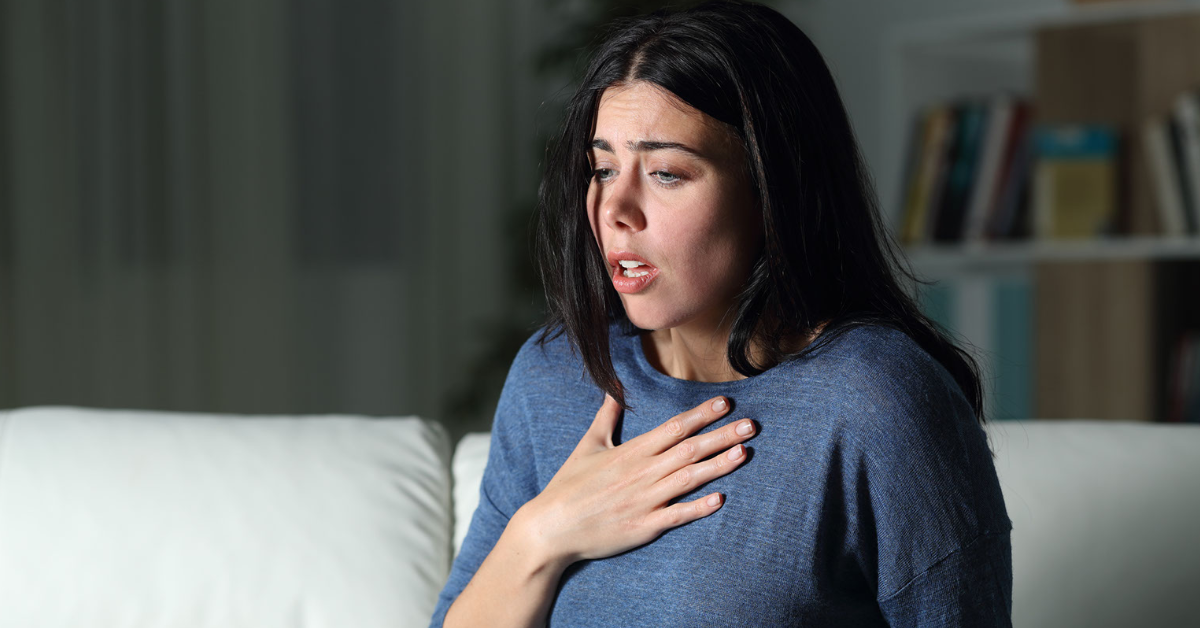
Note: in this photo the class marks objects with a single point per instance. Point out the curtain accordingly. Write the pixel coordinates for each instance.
(259, 207)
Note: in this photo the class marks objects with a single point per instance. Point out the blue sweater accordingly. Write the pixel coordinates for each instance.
(869, 497)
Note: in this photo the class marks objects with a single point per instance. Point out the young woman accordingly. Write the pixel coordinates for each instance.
(716, 272)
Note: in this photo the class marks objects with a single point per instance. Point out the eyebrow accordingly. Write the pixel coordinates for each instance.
(649, 145)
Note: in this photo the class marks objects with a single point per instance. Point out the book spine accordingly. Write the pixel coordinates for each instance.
(962, 168)
(918, 144)
(1187, 116)
(1176, 140)
(988, 172)
(1162, 170)
(941, 172)
(1015, 194)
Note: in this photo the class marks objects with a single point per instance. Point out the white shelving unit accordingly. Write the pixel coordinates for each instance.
(935, 61)
(955, 260)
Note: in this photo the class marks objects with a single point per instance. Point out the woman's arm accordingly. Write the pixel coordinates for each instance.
(604, 500)
(971, 588)
(513, 586)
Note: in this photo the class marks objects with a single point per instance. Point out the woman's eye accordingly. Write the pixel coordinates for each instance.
(665, 177)
(602, 174)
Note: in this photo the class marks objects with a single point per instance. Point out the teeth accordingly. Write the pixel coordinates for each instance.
(628, 263)
(634, 273)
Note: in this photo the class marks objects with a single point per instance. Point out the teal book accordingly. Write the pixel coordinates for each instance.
(992, 318)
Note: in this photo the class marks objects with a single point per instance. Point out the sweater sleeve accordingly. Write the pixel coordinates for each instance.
(970, 587)
(509, 480)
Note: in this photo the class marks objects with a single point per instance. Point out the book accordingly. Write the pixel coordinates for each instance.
(946, 151)
(991, 156)
(1175, 139)
(912, 166)
(1075, 181)
(1014, 196)
(994, 316)
(921, 172)
(1184, 383)
(1165, 178)
(1186, 115)
(1191, 392)
(923, 176)
(962, 164)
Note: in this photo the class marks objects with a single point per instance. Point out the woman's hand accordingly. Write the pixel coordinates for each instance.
(607, 499)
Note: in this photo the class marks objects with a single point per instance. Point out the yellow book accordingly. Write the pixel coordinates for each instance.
(920, 189)
(1075, 181)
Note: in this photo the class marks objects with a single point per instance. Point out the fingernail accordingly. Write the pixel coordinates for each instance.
(736, 452)
(714, 500)
(745, 428)
(720, 405)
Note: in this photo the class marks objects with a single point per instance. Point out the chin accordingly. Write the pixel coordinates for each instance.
(650, 320)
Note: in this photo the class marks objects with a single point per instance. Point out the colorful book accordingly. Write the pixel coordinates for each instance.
(1075, 181)
(963, 161)
(920, 151)
(921, 183)
(991, 156)
(1014, 194)
(945, 154)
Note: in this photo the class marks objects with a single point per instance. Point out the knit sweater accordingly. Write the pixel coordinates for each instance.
(869, 497)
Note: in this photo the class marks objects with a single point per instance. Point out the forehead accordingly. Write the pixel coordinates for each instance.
(644, 111)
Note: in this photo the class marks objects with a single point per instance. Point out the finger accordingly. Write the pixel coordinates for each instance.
(702, 446)
(684, 424)
(676, 515)
(689, 478)
(605, 423)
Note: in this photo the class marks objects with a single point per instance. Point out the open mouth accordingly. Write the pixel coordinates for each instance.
(630, 272)
(633, 268)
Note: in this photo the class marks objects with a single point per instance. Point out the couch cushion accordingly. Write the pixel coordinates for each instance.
(470, 457)
(1104, 521)
(130, 518)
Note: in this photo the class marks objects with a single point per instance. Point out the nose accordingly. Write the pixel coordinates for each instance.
(621, 204)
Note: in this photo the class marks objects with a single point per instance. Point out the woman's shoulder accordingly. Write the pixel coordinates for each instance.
(876, 371)
(873, 355)
(547, 358)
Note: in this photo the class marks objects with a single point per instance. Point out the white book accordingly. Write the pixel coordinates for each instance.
(987, 171)
(1187, 115)
(1165, 176)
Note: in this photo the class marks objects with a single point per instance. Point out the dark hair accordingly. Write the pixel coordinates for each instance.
(826, 256)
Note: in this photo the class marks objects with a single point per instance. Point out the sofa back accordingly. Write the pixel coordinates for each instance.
(133, 519)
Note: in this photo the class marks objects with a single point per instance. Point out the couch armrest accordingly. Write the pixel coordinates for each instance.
(136, 518)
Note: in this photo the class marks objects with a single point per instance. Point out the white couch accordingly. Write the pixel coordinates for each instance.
(132, 519)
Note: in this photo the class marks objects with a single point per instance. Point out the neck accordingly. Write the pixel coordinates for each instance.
(701, 356)
(698, 357)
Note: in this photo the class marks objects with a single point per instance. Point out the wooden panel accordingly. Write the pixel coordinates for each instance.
(1094, 351)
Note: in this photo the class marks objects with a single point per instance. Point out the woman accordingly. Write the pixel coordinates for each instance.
(709, 241)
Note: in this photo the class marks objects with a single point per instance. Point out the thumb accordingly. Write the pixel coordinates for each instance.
(605, 422)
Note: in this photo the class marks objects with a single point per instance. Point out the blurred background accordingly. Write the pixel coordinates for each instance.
(320, 206)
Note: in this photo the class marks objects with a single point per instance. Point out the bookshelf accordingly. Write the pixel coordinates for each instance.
(938, 60)
(949, 261)
(1065, 328)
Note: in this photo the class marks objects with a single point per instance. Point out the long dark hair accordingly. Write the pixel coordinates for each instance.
(826, 255)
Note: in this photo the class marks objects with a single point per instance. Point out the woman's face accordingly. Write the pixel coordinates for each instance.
(669, 197)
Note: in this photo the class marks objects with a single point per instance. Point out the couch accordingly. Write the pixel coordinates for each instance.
(137, 518)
